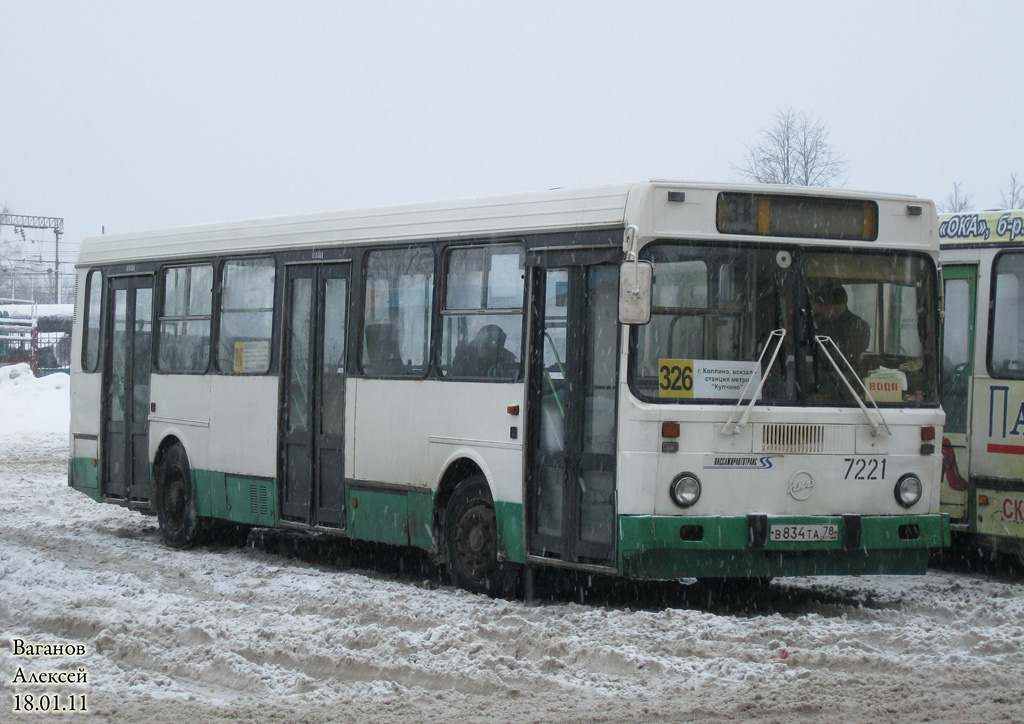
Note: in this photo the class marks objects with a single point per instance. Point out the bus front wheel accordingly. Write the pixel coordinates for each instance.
(175, 501)
(471, 541)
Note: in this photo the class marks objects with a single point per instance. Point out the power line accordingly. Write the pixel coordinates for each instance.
(21, 222)
(33, 222)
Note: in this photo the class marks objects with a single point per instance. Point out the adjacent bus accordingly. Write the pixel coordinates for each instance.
(983, 377)
(654, 380)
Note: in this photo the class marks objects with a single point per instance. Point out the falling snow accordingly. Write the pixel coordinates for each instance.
(258, 633)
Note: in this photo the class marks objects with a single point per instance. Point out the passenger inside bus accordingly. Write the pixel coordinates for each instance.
(383, 357)
(833, 318)
(485, 356)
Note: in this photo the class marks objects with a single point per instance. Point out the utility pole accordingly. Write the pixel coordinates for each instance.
(41, 222)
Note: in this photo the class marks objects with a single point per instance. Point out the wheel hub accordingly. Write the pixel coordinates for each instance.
(476, 540)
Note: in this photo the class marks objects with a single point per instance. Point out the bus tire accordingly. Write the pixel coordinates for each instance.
(175, 500)
(471, 541)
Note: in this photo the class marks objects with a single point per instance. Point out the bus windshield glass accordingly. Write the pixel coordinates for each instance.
(715, 308)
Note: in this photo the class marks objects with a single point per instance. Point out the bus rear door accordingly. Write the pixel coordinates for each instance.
(126, 376)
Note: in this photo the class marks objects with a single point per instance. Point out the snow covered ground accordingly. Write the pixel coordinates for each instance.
(241, 634)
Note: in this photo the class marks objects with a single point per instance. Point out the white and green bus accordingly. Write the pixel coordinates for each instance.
(983, 377)
(646, 380)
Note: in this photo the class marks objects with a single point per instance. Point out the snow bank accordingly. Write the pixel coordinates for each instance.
(31, 405)
(226, 635)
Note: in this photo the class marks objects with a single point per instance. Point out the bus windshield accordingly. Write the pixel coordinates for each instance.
(715, 308)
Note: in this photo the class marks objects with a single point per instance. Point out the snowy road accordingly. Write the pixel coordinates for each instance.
(220, 634)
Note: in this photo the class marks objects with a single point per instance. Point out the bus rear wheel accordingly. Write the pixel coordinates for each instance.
(175, 503)
(471, 541)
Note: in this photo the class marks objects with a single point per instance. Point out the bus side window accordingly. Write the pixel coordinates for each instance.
(396, 312)
(1007, 349)
(185, 308)
(246, 316)
(482, 313)
(91, 336)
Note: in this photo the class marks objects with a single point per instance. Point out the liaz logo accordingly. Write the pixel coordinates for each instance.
(801, 487)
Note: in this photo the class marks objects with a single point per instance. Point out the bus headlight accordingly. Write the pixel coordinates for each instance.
(684, 490)
(908, 490)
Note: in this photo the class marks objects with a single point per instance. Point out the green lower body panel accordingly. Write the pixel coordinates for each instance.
(406, 517)
(742, 547)
(84, 476)
(420, 511)
(510, 530)
(377, 515)
(237, 498)
(399, 517)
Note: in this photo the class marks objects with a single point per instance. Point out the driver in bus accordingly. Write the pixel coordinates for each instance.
(485, 356)
(833, 318)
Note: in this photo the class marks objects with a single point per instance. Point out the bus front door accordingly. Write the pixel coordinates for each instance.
(959, 287)
(571, 481)
(312, 419)
(126, 375)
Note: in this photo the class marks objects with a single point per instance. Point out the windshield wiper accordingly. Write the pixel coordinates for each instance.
(733, 428)
(822, 339)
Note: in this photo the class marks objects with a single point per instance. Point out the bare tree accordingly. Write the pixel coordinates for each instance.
(957, 201)
(1014, 198)
(796, 150)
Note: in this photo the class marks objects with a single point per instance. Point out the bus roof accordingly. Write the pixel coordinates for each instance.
(596, 207)
(986, 228)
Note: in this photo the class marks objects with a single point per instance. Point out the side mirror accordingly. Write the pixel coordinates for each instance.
(635, 281)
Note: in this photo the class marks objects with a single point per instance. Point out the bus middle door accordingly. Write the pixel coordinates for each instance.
(312, 421)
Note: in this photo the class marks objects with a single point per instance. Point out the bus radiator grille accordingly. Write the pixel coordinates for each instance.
(800, 438)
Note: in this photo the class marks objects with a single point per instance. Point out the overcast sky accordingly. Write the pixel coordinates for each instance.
(153, 113)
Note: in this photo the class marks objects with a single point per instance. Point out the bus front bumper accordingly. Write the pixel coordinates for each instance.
(669, 547)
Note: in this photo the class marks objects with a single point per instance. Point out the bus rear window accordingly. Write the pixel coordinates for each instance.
(91, 335)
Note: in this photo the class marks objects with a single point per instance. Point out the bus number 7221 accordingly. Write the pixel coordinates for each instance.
(864, 468)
